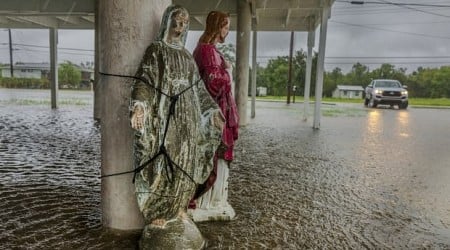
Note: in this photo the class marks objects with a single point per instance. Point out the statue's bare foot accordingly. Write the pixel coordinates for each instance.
(183, 215)
(159, 222)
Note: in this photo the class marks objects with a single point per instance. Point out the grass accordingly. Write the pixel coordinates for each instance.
(438, 102)
(348, 112)
(25, 102)
(430, 101)
(71, 100)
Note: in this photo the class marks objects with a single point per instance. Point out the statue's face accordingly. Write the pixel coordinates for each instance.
(178, 24)
(224, 31)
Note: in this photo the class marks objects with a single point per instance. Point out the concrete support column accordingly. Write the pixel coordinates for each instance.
(96, 87)
(11, 60)
(311, 38)
(126, 28)
(244, 20)
(254, 70)
(53, 38)
(289, 83)
(320, 66)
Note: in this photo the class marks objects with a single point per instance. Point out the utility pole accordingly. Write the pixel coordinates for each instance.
(10, 53)
(289, 87)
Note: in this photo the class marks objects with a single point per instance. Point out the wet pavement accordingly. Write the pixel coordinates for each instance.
(369, 178)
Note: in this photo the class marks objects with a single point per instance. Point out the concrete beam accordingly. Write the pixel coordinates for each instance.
(69, 19)
(45, 22)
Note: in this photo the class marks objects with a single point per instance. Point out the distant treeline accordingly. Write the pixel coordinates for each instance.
(423, 82)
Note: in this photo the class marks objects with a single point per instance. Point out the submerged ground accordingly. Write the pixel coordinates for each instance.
(369, 178)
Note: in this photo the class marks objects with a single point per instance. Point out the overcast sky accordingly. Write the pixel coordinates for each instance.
(407, 36)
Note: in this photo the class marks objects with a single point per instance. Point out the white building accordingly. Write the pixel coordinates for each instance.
(261, 91)
(348, 91)
(27, 70)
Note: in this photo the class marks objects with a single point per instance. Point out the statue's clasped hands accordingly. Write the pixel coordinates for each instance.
(137, 117)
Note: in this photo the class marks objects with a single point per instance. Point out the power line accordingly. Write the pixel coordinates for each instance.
(396, 31)
(367, 57)
(46, 52)
(394, 13)
(47, 47)
(406, 23)
(385, 57)
(423, 11)
(384, 11)
(393, 63)
(398, 4)
(373, 10)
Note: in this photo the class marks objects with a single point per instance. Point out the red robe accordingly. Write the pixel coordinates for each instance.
(211, 66)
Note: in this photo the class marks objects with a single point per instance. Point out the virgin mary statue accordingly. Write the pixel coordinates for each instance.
(178, 128)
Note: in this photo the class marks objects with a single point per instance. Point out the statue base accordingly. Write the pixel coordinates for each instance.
(213, 205)
(179, 233)
(222, 213)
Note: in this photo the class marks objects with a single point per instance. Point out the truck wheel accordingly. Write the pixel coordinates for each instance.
(372, 103)
(403, 105)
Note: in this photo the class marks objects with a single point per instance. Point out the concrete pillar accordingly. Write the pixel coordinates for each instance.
(289, 83)
(254, 69)
(242, 58)
(311, 38)
(53, 38)
(96, 87)
(11, 60)
(126, 28)
(320, 66)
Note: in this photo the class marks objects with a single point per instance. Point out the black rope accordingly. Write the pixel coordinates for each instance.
(142, 79)
(165, 196)
(170, 164)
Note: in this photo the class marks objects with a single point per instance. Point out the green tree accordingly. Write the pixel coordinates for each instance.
(331, 80)
(359, 75)
(424, 82)
(276, 76)
(442, 80)
(299, 69)
(69, 74)
(432, 83)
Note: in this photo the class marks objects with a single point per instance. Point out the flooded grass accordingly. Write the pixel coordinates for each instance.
(343, 111)
(327, 110)
(32, 102)
(292, 187)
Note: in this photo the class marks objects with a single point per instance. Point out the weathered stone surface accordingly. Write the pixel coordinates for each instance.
(180, 233)
(213, 205)
(176, 135)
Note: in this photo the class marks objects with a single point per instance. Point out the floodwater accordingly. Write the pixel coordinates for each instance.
(368, 179)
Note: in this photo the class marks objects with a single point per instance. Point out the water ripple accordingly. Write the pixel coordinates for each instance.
(290, 190)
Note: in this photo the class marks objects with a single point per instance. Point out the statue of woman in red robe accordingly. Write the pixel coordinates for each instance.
(215, 72)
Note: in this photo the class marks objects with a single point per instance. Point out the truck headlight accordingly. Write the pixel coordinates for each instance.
(378, 91)
(404, 92)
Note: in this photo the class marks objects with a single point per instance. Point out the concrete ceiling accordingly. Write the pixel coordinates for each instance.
(270, 15)
(61, 14)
